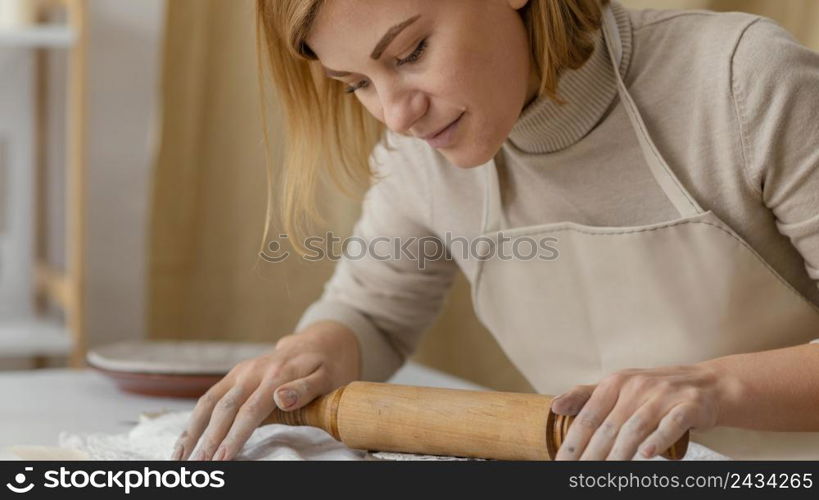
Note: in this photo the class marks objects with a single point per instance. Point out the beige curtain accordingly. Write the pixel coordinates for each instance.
(209, 197)
(209, 193)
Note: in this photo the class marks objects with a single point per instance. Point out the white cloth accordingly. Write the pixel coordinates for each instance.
(153, 439)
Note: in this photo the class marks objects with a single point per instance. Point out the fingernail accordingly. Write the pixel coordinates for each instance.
(220, 454)
(286, 398)
(648, 451)
(564, 406)
(177, 452)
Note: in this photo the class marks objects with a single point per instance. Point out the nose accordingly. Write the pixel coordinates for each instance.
(402, 106)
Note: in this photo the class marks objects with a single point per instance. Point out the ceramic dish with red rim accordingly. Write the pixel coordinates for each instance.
(171, 368)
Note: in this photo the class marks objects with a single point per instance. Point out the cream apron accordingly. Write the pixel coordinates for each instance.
(676, 292)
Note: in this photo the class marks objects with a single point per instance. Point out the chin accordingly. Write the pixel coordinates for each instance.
(469, 157)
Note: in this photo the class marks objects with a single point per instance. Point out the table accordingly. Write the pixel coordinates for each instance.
(38, 404)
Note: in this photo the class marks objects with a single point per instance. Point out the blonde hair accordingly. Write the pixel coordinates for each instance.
(325, 129)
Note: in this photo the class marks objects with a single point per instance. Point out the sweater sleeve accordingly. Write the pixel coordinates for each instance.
(776, 93)
(389, 294)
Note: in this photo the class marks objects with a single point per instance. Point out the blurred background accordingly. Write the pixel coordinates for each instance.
(133, 184)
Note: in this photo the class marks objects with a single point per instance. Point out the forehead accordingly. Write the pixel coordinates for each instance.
(355, 27)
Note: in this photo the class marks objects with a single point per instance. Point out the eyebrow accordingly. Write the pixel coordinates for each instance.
(380, 47)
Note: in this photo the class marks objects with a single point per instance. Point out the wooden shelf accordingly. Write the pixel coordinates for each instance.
(33, 337)
(44, 36)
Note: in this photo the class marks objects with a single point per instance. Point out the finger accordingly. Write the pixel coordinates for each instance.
(225, 412)
(294, 395)
(672, 427)
(635, 430)
(587, 421)
(570, 402)
(250, 415)
(260, 405)
(603, 438)
(198, 420)
(220, 421)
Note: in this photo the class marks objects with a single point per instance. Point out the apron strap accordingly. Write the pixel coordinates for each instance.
(671, 186)
(677, 194)
(492, 207)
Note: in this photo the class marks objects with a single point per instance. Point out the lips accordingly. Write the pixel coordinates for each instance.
(445, 136)
(440, 131)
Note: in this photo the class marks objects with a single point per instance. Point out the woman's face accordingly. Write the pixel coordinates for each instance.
(426, 66)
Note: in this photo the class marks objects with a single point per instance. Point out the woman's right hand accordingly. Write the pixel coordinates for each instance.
(303, 366)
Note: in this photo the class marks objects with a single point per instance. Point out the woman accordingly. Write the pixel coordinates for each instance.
(663, 165)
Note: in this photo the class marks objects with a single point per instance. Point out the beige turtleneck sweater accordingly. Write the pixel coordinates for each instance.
(730, 99)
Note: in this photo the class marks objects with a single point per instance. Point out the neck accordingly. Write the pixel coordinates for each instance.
(545, 126)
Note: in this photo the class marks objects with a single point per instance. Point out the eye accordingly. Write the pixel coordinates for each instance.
(413, 57)
(360, 85)
(416, 54)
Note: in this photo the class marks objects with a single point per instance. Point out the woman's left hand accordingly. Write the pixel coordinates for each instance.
(645, 410)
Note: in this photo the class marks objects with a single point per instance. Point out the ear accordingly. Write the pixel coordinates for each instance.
(517, 4)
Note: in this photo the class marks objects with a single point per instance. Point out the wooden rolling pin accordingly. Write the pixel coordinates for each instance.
(433, 421)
